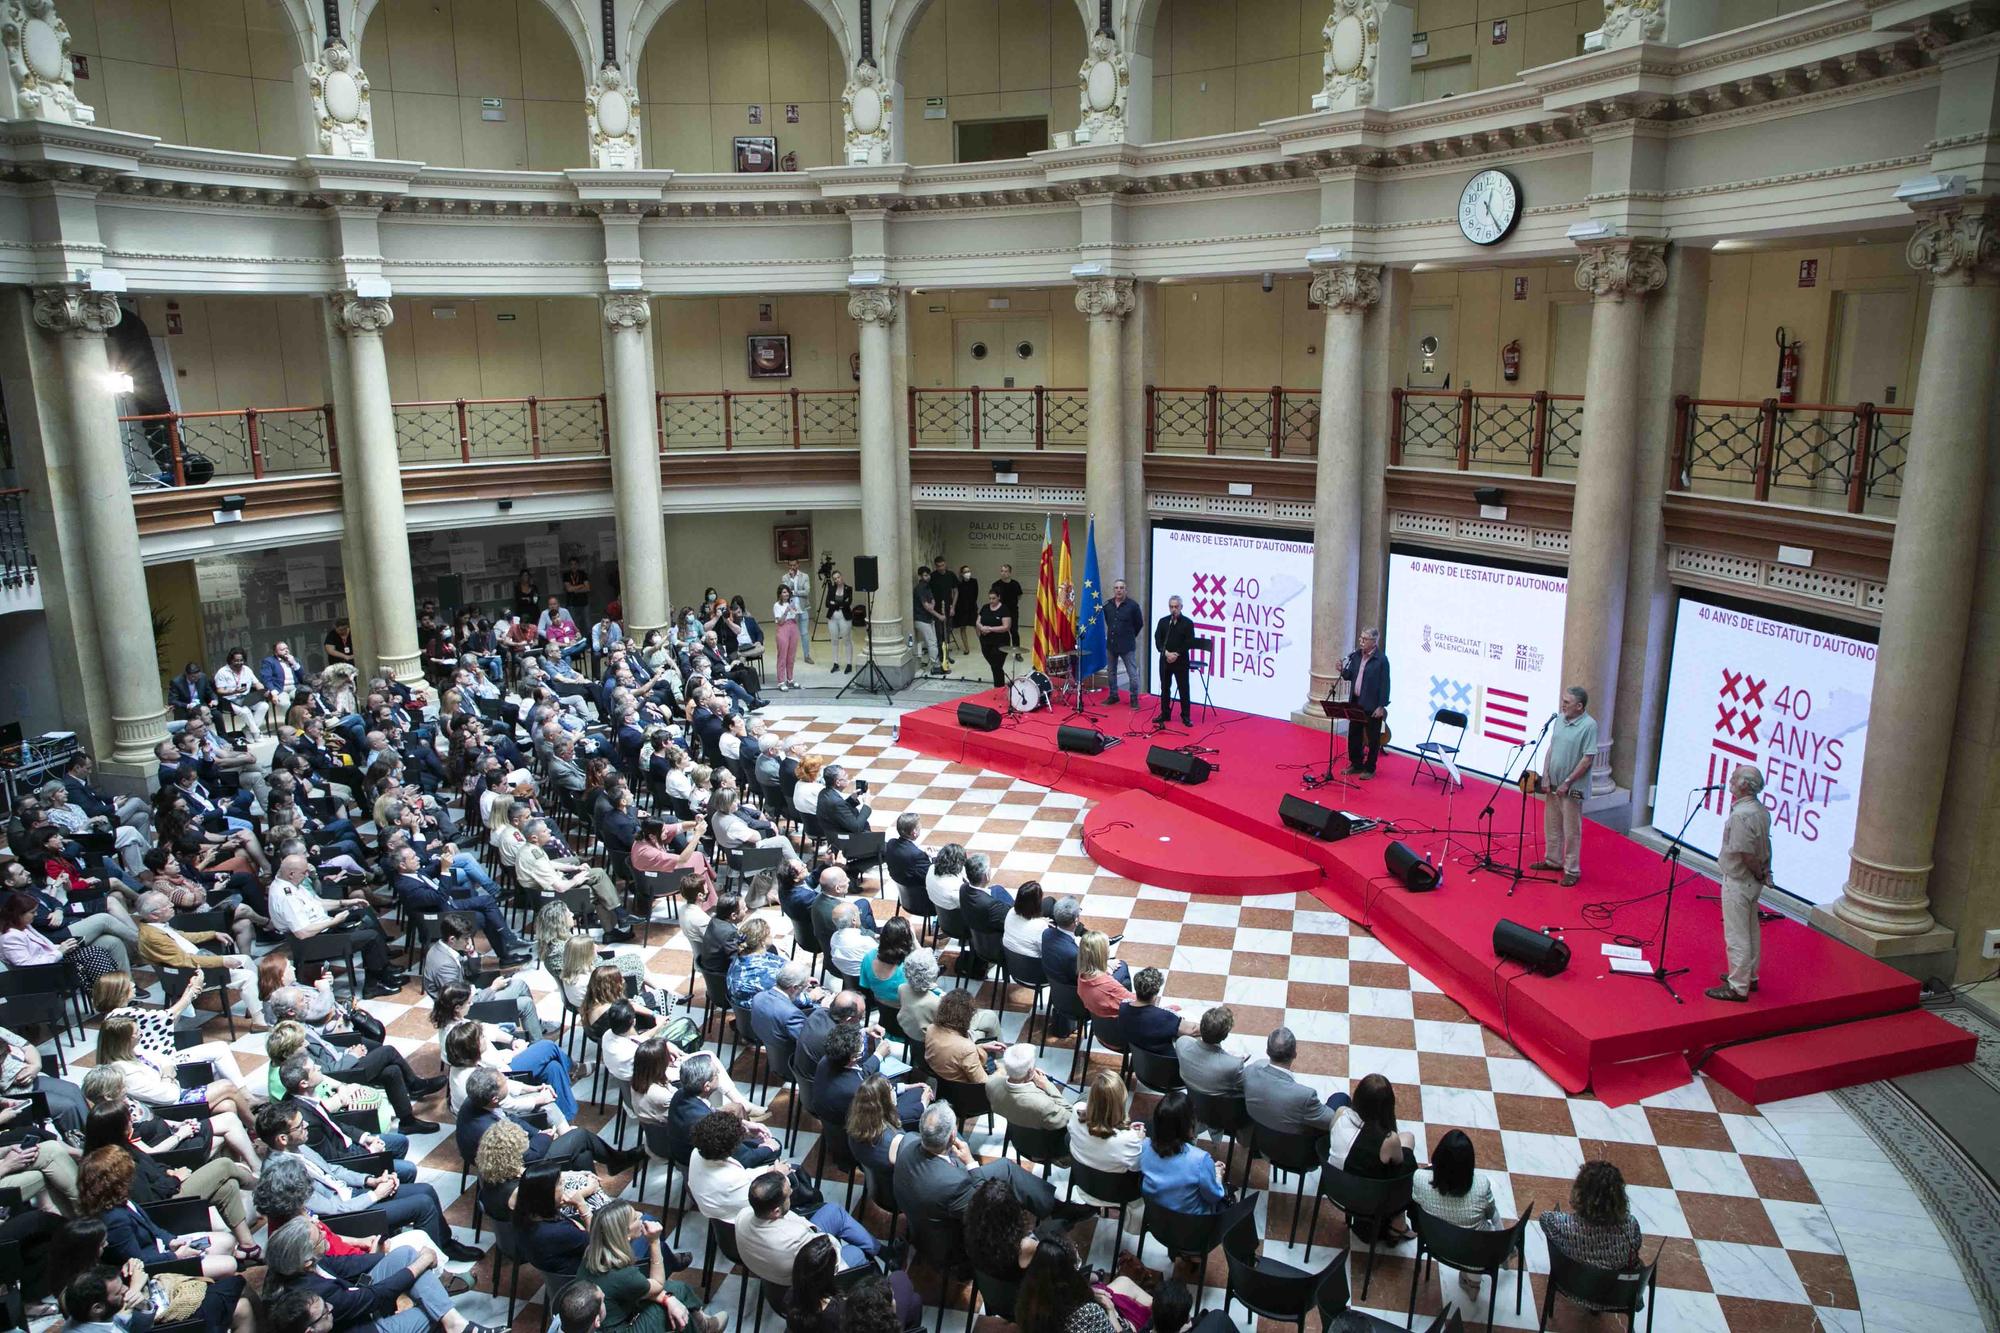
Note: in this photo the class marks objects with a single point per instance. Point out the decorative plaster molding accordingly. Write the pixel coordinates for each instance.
(1351, 45)
(612, 116)
(340, 101)
(75, 312)
(1630, 22)
(1958, 244)
(358, 316)
(1347, 287)
(866, 116)
(38, 62)
(873, 305)
(1624, 266)
(1103, 82)
(627, 310)
(1105, 298)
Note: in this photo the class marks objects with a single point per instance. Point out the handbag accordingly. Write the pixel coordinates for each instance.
(681, 1033)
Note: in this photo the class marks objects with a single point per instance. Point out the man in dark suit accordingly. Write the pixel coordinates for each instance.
(838, 1077)
(299, 1076)
(1059, 956)
(691, 1104)
(847, 1009)
(936, 1175)
(1124, 622)
(190, 690)
(98, 803)
(840, 810)
(833, 886)
(984, 905)
(1279, 1101)
(909, 865)
(578, 1147)
(1367, 669)
(421, 893)
(1174, 637)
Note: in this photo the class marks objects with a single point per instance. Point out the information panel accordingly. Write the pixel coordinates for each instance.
(1483, 640)
(1251, 592)
(1793, 700)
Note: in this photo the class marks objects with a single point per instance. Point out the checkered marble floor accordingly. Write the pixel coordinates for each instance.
(1771, 1219)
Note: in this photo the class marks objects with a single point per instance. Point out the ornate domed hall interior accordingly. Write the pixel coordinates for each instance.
(641, 639)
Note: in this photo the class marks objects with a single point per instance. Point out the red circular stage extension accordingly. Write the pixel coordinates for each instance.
(1140, 836)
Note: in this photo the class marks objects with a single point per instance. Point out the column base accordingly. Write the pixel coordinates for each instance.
(133, 739)
(1308, 715)
(1612, 808)
(1935, 940)
(409, 670)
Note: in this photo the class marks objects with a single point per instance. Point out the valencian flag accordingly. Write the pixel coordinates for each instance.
(1048, 612)
(1092, 650)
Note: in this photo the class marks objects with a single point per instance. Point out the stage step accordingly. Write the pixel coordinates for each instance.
(1840, 1056)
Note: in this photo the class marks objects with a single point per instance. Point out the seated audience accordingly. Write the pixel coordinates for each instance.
(769, 1234)
(1025, 925)
(1597, 1228)
(1452, 1191)
(406, 1205)
(1022, 1094)
(821, 1301)
(638, 1299)
(1206, 1067)
(1366, 1142)
(949, 1048)
(918, 998)
(1058, 1294)
(1277, 1100)
(935, 1175)
(1096, 985)
(364, 1292)
(1102, 1133)
(1177, 1174)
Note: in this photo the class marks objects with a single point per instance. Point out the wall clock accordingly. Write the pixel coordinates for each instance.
(1488, 207)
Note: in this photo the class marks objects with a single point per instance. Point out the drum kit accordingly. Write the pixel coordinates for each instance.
(1034, 690)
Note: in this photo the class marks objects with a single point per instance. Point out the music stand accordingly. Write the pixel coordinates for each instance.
(1336, 710)
(1206, 647)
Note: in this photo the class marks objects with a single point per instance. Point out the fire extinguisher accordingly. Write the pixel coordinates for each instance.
(1788, 367)
(1510, 361)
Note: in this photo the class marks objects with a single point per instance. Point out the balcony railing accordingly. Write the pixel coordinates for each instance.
(252, 443)
(1826, 456)
(1535, 434)
(759, 419)
(17, 559)
(1013, 419)
(1260, 423)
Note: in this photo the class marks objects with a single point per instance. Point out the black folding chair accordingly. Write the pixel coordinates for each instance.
(1600, 1289)
(332, 945)
(1226, 1114)
(1156, 1072)
(1363, 1199)
(1300, 1154)
(1467, 1250)
(1331, 1300)
(1021, 969)
(1046, 1148)
(967, 1100)
(1434, 756)
(214, 981)
(1268, 1288)
(1105, 1189)
(1192, 1235)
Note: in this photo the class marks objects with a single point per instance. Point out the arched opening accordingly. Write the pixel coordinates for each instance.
(999, 71)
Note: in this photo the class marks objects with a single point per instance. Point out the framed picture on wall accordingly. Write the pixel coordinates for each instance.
(770, 356)
(756, 152)
(792, 542)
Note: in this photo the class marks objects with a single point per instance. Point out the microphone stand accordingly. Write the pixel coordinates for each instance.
(1661, 973)
(1487, 861)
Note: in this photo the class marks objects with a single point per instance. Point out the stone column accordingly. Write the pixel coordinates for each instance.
(1346, 291)
(635, 466)
(372, 468)
(1104, 303)
(1618, 273)
(882, 530)
(1927, 608)
(77, 320)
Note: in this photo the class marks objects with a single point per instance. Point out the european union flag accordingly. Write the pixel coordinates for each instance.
(1092, 653)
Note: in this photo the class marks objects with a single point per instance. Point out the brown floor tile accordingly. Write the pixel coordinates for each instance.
(1271, 966)
(1780, 1178)
(1723, 1217)
(1437, 1008)
(1306, 945)
(1688, 1129)
(1726, 1102)
(1827, 1279)
(1321, 1058)
(1198, 937)
(1545, 1192)
(1453, 1071)
(1380, 976)
(1497, 1046)
(1639, 1163)
(992, 782)
(1317, 998)
(1146, 955)
(1533, 1115)
(1265, 918)
(1395, 1034)
(1153, 909)
(1073, 865)
(1040, 847)
(1680, 1264)
(1198, 985)
(1748, 1316)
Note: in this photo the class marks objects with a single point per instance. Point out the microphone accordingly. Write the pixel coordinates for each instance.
(1714, 786)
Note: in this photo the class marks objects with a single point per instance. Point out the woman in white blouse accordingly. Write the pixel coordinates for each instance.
(1102, 1133)
(805, 792)
(946, 878)
(465, 1049)
(1025, 922)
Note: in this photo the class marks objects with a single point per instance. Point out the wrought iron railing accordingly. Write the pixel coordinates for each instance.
(17, 558)
(467, 430)
(1823, 455)
(978, 418)
(1264, 423)
(758, 419)
(1537, 434)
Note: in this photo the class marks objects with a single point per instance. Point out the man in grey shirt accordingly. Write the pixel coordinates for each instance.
(444, 965)
(1745, 866)
(1206, 1067)
(1566, 777)
(1279, 1101)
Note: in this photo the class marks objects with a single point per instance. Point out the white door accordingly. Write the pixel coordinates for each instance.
(1007, 359)
(1871, 349)
(1569, 346)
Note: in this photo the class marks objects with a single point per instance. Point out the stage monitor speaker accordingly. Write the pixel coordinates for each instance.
(867, 574)
(1306, 817)
(1542, 953)
(1080, 740)
(978, 717)
(1417, 874)
(1178, 765)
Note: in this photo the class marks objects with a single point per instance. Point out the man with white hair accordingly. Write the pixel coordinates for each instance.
(779, 1014)
(849, 943)
(1745, 865)
(936, 1175)
(1023, 1094)
(162, 945)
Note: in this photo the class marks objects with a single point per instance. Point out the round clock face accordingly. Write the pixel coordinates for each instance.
(1489, 207)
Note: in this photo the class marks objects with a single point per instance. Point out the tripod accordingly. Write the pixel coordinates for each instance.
(1661, 972)
(1335, 710)
(871, 677)
(1487, 861)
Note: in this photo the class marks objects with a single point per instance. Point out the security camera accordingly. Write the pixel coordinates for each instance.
(1270, 281)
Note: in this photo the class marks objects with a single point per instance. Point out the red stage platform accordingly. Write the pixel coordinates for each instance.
(1588, 1027)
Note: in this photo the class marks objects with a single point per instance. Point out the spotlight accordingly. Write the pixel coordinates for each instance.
(118, 381)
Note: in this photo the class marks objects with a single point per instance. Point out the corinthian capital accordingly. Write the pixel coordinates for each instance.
(75, 311)
(627, 310)
(354, 315)
(1347, 286)
(1622, 266)
(1105, 298)
(1958, 244)
(873, 305)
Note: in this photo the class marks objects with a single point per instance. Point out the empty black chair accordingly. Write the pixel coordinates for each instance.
(997, 1294)
(1024, 969)
(990, 948)
(1362, 1198)
(1156, 1072)
(1269, 1288)
(1300, 1154)
(1468, 1250)
(1106, 1189)
(943, 1248)
(1331, 1299)
(1226, 1114)
(1193, 1234)
(1045, 1148)
(1624, 1293)
(1105, 1032)
(968, 1100)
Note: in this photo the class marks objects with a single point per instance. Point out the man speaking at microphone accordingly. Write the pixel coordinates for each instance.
(1367, 669)
(1572, 749)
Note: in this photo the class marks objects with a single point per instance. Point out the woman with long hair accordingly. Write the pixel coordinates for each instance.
(463, 1048)
(552, 1216)
(638, 1300)
(785, 615)
(1598, 1228)
(555, 927)
(1058, 1296)
(104, 1190)
(500, 1049)
(815, 1302)
(220, 1183)
(1102, 1133)
(1366, 1142)
(1096, 984)
(229, 1108)
(874, 1124)
(157, 1029)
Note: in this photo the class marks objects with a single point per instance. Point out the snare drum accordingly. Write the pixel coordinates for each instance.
(1030, 692)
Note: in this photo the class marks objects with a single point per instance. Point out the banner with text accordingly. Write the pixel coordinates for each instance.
(1249, 592)
(1481, 640)
(1744, 689)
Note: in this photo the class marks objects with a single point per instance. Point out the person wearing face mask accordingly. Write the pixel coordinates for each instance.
(965, 608)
